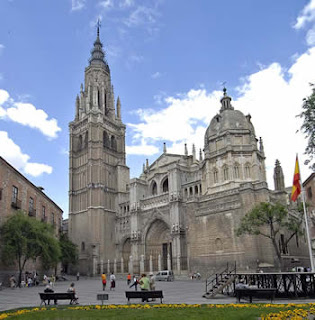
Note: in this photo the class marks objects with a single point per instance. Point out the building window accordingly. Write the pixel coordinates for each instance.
(53, 219)
(215, 176)
(15, 192)
(86, 139)
(0, 193)
(43, 213)
(236, 172)
(196, 190)
(226, 173)
(82, 246)
(165, 185)
(80, 143)
(31, 210)
(154, 188)
(105, 139)
(113, 143)
(247, 171)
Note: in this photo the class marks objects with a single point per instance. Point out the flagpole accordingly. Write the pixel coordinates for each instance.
(306, 223)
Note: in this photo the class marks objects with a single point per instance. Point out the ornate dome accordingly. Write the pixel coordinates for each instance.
(228, 120)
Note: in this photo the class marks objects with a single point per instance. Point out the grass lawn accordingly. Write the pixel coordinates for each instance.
(216, 312)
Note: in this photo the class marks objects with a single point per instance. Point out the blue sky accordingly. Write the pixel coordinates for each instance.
(168, 60)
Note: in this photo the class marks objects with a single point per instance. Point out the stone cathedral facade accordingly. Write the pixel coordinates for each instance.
(182, 212)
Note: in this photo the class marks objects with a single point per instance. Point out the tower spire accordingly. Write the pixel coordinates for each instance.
(97, 53)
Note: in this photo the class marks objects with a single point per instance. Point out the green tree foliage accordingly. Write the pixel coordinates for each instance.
(308, 126)
(69, 251)
(25, 238)
(267, 219)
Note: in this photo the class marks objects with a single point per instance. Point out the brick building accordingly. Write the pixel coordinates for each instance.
(17, 192)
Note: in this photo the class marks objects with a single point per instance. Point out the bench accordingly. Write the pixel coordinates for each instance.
(55, 296)
(268, 293)
(144, 295)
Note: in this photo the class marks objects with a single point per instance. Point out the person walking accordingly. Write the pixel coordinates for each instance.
(104, 280)
(128, 279)
(135, 283)
(112, 279)
(78, 276)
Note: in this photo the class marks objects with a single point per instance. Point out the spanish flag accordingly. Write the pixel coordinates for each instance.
(296, 188)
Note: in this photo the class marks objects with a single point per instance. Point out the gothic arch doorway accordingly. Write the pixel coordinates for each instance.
(126, 252)
(158, 242)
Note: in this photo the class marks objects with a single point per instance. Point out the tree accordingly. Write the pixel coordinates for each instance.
(24, 238)
(69, 251)
(267, 219)
(308, 126)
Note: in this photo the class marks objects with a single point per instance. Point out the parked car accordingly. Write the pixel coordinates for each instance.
(165, 275)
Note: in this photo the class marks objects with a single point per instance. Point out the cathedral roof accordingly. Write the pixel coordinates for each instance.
(228, 119)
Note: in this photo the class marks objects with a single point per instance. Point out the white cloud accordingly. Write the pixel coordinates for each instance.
(12, 153)
(310, 36)
(156, 75)
(142, 149)
(106, 4)
(140, 16)
(37, 169)
(272, 95)
(27, 115)
(4, 96)
(307, 15)
(77, 5)
(126, 3)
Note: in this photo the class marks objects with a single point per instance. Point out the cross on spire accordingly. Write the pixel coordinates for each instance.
(98, 26)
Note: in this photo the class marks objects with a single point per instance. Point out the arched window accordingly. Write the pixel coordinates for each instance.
(196, 190)
(247, 171)
(105, 139)
(80, 143)
(226, 173)
(82, 246)
(154, 188)
(165, 185)
(215, 176)
(113, 143)
(218, 244)
(236, 171)
(86, 139)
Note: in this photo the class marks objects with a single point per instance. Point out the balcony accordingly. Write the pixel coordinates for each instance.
(32, 212)
(16, 204)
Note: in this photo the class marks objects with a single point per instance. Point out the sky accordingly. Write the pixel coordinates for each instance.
(169, 61)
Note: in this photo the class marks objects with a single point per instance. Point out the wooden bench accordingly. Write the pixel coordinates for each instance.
(144, 295)
(55, 296)
(268, 293)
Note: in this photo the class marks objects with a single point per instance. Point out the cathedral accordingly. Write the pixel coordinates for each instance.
(181, 213)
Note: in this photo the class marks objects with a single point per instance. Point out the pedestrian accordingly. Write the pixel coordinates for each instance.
(128, 279)
(52, 280)
(72, 289)
(12, 282)
(152, 282)
(78, 276)
(104, 281)
(144, 284)
(135, 283)
(112, 279)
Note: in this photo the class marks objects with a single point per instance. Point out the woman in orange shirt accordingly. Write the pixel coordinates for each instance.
(104, 280)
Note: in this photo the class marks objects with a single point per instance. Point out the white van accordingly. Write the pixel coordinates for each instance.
(165, 275)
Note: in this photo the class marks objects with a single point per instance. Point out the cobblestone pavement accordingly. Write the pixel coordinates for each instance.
(179, 291)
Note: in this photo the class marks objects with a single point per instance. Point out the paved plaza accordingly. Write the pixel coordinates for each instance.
(179, 291)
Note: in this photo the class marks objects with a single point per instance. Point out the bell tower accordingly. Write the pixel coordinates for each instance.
(98, 175)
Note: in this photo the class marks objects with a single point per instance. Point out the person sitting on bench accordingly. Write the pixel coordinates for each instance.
(72, 289)
(49, 289)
